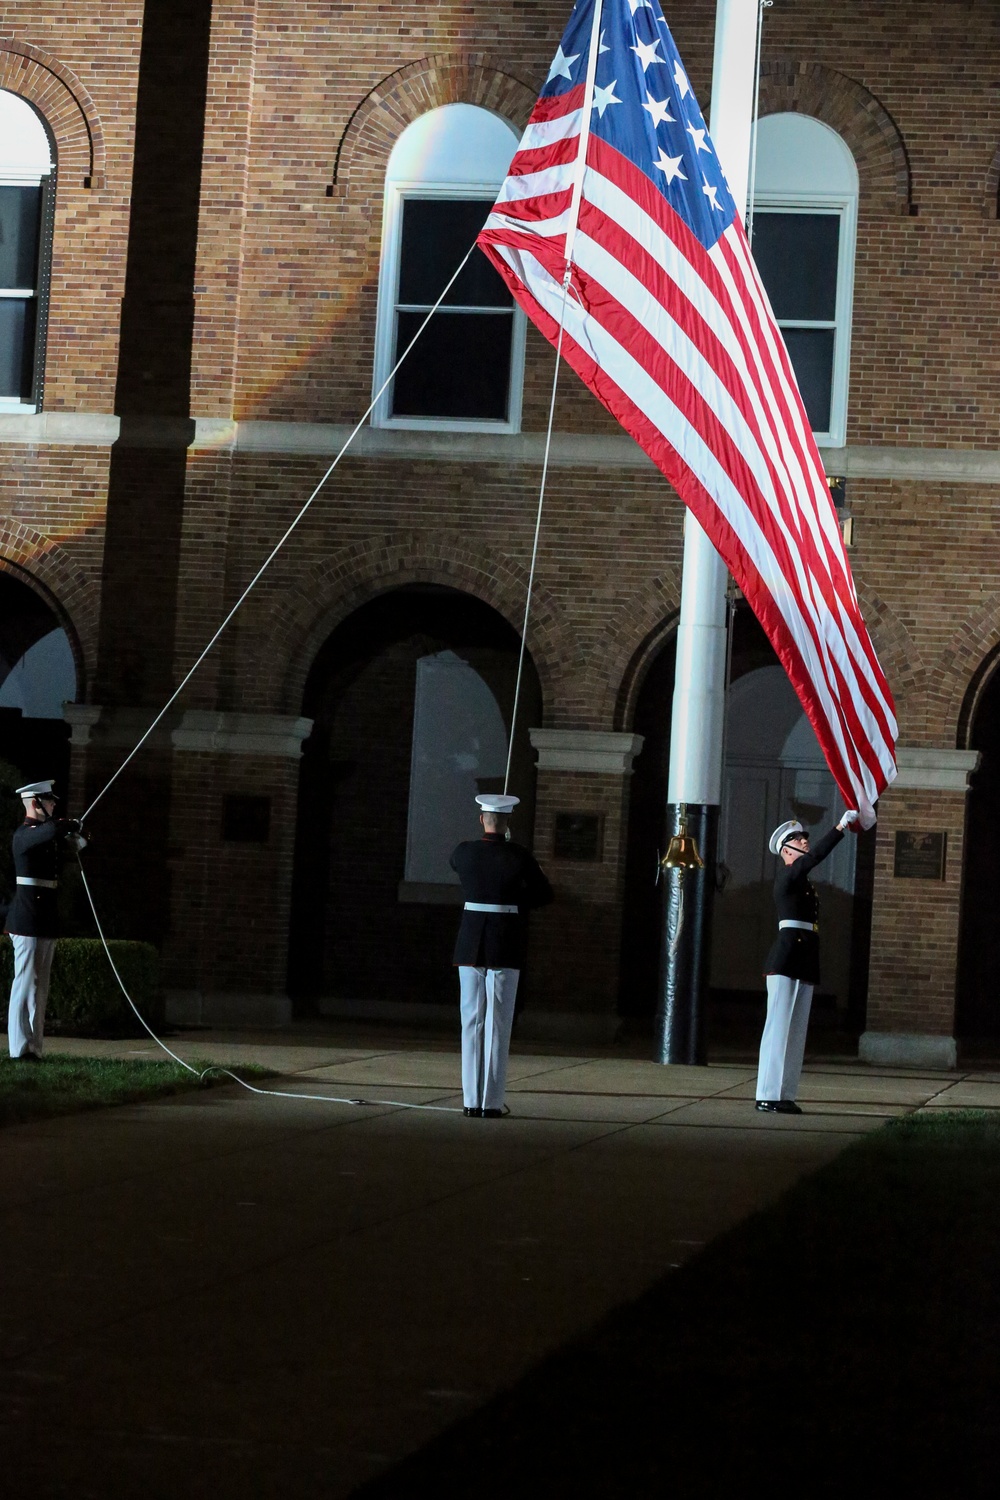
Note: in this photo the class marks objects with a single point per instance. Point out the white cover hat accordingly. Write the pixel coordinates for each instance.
(782, 834)
(495, 802)
(36, 789)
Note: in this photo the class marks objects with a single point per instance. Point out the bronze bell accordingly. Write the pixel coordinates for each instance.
(682, 852)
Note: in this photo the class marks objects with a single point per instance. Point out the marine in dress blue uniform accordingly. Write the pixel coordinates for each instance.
(32, 917)
(501, 883)
(792, 968)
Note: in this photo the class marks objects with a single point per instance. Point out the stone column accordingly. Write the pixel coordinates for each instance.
(915, 918)
(581, 819)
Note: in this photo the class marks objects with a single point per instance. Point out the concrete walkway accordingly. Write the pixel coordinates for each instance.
(221, 1295)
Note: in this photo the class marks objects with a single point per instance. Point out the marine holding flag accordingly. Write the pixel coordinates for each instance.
(666, 320)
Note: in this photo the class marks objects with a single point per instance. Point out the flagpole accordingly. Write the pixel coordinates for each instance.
(694, 785)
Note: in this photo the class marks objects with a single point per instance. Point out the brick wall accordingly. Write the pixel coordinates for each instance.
(301, 108)
(915, 922)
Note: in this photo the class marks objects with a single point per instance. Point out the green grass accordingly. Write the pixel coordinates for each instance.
(845, 1342)
(61, 1085)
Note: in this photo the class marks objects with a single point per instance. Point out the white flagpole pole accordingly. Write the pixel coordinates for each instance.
(694, 785)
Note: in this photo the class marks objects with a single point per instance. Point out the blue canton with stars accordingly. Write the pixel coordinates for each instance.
(644, 107)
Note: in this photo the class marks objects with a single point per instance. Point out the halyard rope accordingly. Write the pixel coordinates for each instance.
(280, 543)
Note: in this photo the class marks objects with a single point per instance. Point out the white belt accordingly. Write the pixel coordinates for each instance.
(49, 885)
(802, 926)
(488, 906)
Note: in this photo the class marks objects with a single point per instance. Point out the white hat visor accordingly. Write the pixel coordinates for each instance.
(36, 789)
(493, 802)
(782, 834)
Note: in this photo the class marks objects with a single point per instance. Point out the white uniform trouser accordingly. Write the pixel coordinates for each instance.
(487, 1017)
(28, 994)
(783, 1043)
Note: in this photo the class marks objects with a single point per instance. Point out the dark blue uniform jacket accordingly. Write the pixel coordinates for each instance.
(37, 849)
(795, 953)
(499, 874)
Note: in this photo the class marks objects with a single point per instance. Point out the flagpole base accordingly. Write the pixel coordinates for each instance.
(685, 954)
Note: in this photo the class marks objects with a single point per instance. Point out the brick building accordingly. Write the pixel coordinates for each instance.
(225, 212)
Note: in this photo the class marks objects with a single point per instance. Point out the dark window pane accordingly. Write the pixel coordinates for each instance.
(796, 255)
(20, 217)
(811, 353)
(436, 234)
(460, 366)
(17, 346)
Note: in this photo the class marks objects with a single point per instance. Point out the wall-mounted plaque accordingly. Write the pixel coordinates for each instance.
(578, 836)
(919, 856)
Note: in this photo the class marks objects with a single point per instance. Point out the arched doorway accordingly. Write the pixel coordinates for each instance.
(37, 676)
(411, 699)
(978, 996)
(773, 770)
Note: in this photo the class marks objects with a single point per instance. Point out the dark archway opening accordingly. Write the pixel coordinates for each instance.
(411, 699)
(978, 997)
(773, 770)
(37, 675)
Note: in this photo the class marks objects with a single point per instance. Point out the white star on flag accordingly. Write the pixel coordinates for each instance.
(659, 109)
(604, 97)
(670, 166)
(670, 330)
(561, 65)
(601, 46)
(646, 53)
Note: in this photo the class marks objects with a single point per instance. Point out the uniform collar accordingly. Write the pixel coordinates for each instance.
(493, 838)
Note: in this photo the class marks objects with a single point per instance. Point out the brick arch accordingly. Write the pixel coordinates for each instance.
(899, 657)
(331, 590)
(647, 621)
(402, 97)
(864, 125)
(67, 107)
(634, 638)
(53, 574)
(956, 680)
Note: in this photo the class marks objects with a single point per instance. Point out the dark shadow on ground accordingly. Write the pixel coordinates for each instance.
(843, 1342)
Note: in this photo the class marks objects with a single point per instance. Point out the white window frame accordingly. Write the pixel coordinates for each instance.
(15, 177)
(385, 321)
(846, 205)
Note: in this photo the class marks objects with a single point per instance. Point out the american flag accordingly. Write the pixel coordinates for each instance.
(668, 323)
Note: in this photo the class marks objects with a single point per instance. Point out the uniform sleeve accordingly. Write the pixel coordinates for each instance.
(32, 838)
(537, 890)
(802, 866)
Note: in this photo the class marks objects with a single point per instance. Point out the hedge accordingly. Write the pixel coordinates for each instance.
(85, 996)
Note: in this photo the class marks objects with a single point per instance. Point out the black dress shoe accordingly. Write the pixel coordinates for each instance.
(770, 1105)
(491, 1114)
(471, 1113)
(787, 1107)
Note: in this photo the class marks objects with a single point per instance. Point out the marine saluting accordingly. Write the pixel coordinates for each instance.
(32, 918)
(501, 882)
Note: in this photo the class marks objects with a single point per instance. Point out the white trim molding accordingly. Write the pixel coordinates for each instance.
(598, 751)
(241, 734)
(933, 770)
(81, 718)
(907, 1050)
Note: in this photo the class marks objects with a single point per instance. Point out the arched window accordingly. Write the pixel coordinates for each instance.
(27, 180)
(804, 229)
(465, 371)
